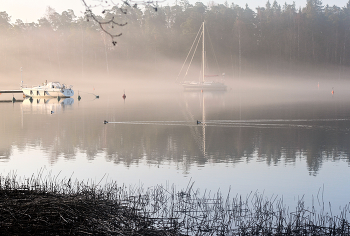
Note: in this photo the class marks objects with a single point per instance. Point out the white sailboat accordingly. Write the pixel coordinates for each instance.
(202, 84)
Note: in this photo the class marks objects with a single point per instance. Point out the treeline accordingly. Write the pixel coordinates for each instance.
(315, 34)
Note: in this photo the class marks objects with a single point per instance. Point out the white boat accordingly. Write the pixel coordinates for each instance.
(212, 86)
(202, 84)
(51, 89)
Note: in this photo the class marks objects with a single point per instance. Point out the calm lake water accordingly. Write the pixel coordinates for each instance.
(284, 141)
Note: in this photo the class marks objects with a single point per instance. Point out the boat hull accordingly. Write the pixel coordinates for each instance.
(206, 86)
(42, 93)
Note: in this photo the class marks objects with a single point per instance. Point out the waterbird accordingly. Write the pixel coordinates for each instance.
(198, 122)
(52, 112)
(105, 122)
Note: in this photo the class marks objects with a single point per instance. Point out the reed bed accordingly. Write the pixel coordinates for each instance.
(50, 206)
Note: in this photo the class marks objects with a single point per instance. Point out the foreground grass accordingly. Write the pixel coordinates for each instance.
(48, 206)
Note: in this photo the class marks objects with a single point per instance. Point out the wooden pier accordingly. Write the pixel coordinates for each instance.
(11, 91)
(13, 101)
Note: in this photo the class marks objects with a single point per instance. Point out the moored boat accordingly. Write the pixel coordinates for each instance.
(212, 86)
(202, 84)
(51, 89)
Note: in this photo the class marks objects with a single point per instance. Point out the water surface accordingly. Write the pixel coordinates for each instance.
(293, 143)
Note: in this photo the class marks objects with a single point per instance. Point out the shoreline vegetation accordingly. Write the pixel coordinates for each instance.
(45, 205)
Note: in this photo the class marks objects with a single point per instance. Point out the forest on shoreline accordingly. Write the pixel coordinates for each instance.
(312, 35)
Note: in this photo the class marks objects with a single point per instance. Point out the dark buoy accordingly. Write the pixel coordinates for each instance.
(198, 122)
(97, 96)
(13, 99)
(105, 122)
(124, 96)
(79, 97)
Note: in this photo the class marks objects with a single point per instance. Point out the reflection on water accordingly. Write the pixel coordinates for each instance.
(27, 124)
(45, 105)
(193, 132)
(161, 131)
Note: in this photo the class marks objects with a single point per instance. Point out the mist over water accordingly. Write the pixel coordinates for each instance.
(283, 135)
(278, 129)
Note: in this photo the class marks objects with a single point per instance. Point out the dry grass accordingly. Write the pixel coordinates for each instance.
(48, 206)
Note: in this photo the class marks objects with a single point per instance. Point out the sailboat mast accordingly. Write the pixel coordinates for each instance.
(203, 55)
(203, 126)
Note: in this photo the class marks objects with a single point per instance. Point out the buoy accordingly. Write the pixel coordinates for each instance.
(105, 122)
(79, 97)
(124, 96)
(332, 91)
(13, 99)
(97, 96)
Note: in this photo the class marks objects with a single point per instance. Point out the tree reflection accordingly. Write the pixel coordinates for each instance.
(66, 134)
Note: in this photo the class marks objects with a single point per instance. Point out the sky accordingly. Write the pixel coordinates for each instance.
(32, 10)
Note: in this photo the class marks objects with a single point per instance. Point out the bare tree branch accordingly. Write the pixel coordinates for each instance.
(112, 22)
